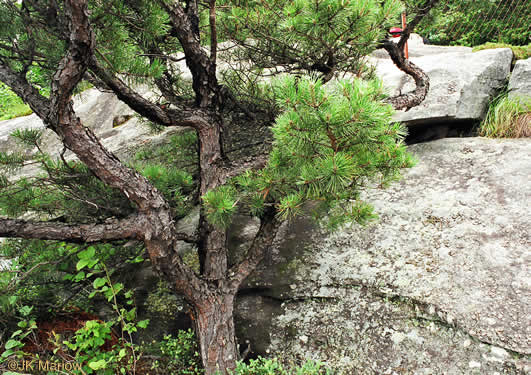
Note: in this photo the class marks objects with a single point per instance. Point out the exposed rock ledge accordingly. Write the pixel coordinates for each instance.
(462, 82)
(439, 285)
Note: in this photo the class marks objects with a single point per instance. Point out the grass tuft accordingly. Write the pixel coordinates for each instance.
(519, 52)
(507, 118)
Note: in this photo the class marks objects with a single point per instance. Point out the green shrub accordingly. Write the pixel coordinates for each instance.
(97, 347)
(507, 118)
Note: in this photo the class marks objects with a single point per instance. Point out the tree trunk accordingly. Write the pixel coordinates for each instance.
(215, 329)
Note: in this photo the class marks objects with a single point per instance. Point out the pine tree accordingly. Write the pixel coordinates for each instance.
(331, 137)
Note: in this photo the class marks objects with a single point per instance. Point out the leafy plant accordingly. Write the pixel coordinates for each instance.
(179, 355)
(27, 325)
(88, 342)
(263, 366)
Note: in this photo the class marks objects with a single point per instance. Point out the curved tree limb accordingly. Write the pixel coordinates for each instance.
(144, 107)
(396, 51)
(422, 81)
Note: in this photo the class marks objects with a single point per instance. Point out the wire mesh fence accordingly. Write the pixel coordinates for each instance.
(474, 22)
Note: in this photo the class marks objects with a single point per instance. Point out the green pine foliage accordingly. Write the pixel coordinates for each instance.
(330, 142)
(180, 151)
(68, 190)
(123, 28)
(175, 184)
(304, 33)
(47, 49)
(172, 169)
(220, 206)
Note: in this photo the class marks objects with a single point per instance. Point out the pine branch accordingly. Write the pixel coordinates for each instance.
(203, 69)
(129, 228)
(261, 244)
(144, 107)
(422, 81)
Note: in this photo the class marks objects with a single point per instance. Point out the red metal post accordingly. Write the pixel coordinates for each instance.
(406, 52)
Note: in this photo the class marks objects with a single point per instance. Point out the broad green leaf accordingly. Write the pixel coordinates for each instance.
(16, 333)
(99, 282)
(10, 344)
(82, 264)
(98, 365)
(87, 254)
(143, 323)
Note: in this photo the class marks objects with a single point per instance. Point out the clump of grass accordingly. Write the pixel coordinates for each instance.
(519, 52)
(507, 118)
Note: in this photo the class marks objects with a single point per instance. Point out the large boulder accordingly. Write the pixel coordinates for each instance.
(440, 284)
(520, 82)
(461, 81)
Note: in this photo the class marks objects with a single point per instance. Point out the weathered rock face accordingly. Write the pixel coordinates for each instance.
(520, 82)
(461, 81)
(439, 285)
